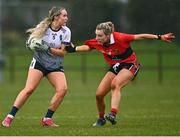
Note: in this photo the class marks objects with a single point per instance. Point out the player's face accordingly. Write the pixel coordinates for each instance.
(63, 18)
(101, 37)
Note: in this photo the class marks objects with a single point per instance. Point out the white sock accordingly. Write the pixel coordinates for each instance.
(11, 116)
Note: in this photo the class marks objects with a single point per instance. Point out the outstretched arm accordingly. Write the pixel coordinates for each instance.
(71, 48)
(82, 48)
(165, 37)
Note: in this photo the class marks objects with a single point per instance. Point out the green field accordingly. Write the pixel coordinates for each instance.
(147, 108)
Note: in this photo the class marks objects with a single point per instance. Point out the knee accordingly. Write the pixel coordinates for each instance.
(116, 86)
(28, 91)
(61, 92)
(99, 94)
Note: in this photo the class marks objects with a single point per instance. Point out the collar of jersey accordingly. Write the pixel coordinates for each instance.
(112, 41)
(53, 29)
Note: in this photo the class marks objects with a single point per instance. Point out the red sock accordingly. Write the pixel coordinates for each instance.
(114, 111)
(101, 114)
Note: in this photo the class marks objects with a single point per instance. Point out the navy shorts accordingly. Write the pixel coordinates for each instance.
(133, 67)
(36, 65)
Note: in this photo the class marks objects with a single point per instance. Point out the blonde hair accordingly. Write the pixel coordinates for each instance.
(41, 28)
(106, 27)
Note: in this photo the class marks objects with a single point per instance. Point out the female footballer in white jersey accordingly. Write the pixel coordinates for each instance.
(46, 62)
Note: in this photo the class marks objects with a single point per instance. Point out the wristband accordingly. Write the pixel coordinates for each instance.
(159, 37)
(70, 49)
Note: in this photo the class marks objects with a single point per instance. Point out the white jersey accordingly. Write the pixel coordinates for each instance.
(53, 39)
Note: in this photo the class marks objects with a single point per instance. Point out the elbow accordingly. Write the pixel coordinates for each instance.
(62, 55)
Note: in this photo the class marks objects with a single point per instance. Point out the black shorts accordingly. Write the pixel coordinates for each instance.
(36, 65)
(133, 67)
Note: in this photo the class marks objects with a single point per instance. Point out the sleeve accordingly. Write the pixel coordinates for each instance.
(89, 44)
(127, 37)
(67, 37)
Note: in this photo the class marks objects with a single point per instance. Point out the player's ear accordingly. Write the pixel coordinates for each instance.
(56, 17)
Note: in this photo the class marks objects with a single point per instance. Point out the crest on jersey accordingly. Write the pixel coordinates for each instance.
(54, 36)
(116, 51)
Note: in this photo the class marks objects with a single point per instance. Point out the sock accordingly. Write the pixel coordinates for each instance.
(49, 114)
(101, 114)
(11, 116)
(13, 111)
(114, 111)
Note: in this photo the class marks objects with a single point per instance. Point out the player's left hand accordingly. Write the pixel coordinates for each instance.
(167, 37)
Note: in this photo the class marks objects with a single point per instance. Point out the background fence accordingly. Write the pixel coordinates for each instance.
(12, 66)
(16, 16)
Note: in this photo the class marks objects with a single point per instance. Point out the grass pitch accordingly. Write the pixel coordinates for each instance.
(146, 109)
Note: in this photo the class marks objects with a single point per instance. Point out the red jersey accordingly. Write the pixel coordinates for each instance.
(118, 50)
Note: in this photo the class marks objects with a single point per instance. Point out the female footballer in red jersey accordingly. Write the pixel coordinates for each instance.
(118, 54)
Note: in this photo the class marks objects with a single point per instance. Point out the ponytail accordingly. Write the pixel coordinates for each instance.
(42, 27)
